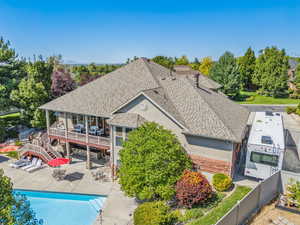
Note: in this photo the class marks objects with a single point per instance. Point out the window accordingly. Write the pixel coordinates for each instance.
(119, 141)
(127, 130)
(271, 160)
(74, 119)
(119, 136)
(266, 140)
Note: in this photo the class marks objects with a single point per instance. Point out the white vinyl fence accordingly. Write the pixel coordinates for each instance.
(261, 195)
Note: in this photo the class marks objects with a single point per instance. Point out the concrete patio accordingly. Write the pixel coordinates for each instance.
(117, 208)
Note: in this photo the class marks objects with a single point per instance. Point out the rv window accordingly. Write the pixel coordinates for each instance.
(271, 160)
(266, 140)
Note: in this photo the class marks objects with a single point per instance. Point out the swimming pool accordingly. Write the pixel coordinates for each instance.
(56, 208)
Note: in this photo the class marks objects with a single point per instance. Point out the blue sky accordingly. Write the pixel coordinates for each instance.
(111, 31)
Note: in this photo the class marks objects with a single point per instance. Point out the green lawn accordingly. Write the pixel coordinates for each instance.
(248, 97)
(217, 213)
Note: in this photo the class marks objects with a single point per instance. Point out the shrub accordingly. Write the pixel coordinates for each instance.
(192, 189)
(221, 182)
(293, 195)
(290, 109)
(250, 99)
(18, 143)
(153, 213)
(152, 160)
(13, 154)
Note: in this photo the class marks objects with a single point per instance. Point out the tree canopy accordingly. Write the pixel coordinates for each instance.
(62, 82)
(165, 61)
(152, 160)
(11, 72)
(271, 72)
(226, 72)
(14, 209)
(205, 65)
(33, 91)
(183, 60)
(247, 66)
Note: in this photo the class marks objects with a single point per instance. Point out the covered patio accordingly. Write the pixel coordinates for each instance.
(84, 130)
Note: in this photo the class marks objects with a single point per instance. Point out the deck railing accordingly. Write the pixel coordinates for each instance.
(97, 140)
(36, 149)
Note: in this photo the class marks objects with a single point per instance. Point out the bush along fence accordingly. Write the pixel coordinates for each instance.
(266, 191)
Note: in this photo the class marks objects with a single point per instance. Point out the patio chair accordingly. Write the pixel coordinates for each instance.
(93, 130)
(36, 167)
(79, 128)
(33, 163)
(20, 163)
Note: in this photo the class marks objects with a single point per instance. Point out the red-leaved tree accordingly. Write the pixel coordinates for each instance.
(62, 82)
(192, 189)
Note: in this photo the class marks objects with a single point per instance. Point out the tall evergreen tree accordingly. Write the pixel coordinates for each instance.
(226, 73)
(271, 72)
(247, 66)
(11, 72)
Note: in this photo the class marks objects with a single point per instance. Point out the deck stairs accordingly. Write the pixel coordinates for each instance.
(40, 147)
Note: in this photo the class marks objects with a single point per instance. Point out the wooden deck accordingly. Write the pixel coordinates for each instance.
(78, 138)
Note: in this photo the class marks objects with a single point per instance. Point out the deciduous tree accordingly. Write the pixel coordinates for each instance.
(62, 82)
(183, 60)
(14, 209)
(165, 61)
(152, 160)
(271, 72)
(226, 72)
(33, 91)
(205, 65)
(247, 66)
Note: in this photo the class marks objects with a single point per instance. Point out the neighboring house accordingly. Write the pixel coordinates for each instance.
(291, 74)
(209, 126)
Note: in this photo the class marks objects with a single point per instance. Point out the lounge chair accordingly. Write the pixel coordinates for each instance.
(33, 163)
(19, 163)
(36, 167)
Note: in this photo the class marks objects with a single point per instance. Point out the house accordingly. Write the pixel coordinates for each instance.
(209, 126)
(291, 74)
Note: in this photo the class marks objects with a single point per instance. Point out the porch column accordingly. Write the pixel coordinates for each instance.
(112, 152)
(88, 154)
(47, 122)
(66, 136)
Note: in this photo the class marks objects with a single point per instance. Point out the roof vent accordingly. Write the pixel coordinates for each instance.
(269, 113)
(266, 140)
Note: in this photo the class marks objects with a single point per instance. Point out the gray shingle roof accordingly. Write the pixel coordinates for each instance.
(201, 111)
(127, 120)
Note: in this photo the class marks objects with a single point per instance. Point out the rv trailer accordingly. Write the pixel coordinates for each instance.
(266, 145)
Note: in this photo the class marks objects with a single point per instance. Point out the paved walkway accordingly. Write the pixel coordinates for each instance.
(117, 208)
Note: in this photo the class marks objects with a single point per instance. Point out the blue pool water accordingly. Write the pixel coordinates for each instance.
(63, 208)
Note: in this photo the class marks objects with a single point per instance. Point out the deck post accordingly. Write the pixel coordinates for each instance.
(66, 136)
(88, 154)
(112, 152)
(47, 122)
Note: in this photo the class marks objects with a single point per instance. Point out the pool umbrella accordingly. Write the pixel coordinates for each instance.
(58, 162)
